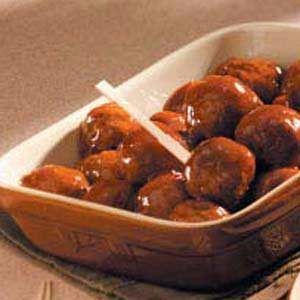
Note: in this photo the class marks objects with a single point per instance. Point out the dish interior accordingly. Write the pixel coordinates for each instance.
(150, 89)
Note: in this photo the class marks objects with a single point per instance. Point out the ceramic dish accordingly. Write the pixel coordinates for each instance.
(200, 255)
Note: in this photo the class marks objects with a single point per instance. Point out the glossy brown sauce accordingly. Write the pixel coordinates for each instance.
(263, 76)
(240, 148)
(270, 180)
(199, 210)
(221, 170)
(272, 132)
(215, 105)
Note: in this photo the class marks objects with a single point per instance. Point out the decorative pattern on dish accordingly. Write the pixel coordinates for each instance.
(276, 238)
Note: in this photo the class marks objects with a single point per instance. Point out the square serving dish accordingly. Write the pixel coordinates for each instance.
(199, 255)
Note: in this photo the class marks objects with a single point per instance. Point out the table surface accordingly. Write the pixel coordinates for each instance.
(52, 54)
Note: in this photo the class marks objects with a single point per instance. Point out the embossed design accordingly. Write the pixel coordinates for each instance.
(254, 253)
(84, 241)
(275, 239)
(97, 247)
(104, 250)
(202, 242)
(116, 256)
(140, 253)
(126, 251)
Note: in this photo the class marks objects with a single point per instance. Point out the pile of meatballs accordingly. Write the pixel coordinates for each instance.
(241, 123)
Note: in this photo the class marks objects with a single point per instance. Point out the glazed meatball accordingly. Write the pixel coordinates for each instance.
(115, 193)
(197, 211)
(282, 100)
(291, 80)
(272, 179)
(262, 75)
(103, 165)
(176, 100)
(143, 156)
(290, 88)
(215, 105)
(173, 120)
(287, 101)
(272, 132)
(57, 179)
(104, 129)
(221, 170)
(160, 195)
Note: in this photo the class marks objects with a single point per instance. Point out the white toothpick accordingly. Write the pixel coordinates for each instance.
(165, 140)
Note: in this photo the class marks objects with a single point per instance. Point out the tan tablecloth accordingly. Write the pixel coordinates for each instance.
(53, 52)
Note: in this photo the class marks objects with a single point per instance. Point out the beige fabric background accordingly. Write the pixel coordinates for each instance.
(53, 52)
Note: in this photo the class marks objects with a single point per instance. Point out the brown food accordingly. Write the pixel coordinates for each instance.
(57, 179)
(119, 156)
(287, 101)
(291, 85)
(215, 105)
(272, 132)
(291, 77)
(115, 193)
(272, 179)
(197, 211)
(104, 129)
(290, 89)
(282, 100)
(173, 120)
(103, 165)
(143, 156)
(220, 170)
(176, 100)
(262, 75)
(160, 195)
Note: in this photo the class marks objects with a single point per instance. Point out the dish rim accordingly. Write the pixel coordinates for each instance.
(250, 26)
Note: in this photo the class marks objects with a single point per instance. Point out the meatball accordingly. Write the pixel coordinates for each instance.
(262, 75)
(103, 165)
(272, 179)
(160, 195)
(143, 156)
(290, 89)
(294, 102)
(221, 170)
(282, 100)
(287, 101)
(57, 179)
(173, 120)
(291, 81)
(272, 132)
(215, 105)
(176, 100)
(198, 210)
(115, 193)
(104, 129)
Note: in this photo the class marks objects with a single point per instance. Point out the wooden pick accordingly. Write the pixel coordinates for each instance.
(173, 146)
